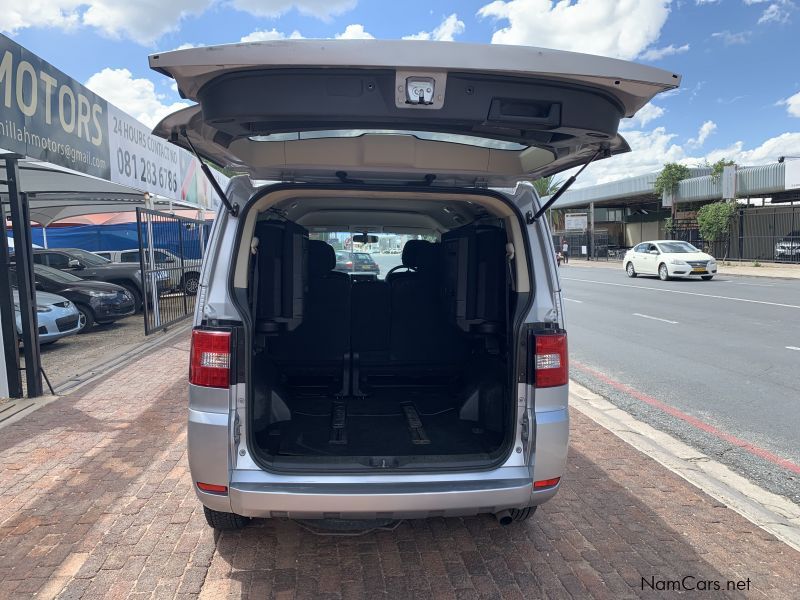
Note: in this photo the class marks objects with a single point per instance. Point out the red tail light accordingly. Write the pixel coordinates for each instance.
(210, 358)
(550, 363)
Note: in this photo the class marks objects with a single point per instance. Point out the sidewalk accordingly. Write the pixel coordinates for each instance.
(96, 501)
(732, 268)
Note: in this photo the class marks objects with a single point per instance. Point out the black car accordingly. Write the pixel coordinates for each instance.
(359, 265)
(86, 265)
(96, 301)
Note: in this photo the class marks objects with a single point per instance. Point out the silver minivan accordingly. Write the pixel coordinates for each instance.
(439, 388)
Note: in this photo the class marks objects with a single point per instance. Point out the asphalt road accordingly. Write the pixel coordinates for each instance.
(716, 363)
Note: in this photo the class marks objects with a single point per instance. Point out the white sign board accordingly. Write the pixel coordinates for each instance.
(791, 174)
(729, 182)
(576, 221)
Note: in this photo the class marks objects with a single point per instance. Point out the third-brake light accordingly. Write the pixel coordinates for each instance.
(550, 362)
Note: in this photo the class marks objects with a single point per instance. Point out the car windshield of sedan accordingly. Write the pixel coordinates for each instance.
(89, 259)
(678, 248)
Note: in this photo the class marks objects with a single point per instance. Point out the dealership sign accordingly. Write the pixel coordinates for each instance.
(46, 115)
(576, 221)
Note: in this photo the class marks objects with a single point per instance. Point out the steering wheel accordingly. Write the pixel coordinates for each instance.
(393, 269)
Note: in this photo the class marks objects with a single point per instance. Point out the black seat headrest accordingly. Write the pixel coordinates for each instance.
(417, 254)
(321, 258)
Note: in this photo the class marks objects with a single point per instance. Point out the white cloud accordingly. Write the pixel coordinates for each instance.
(729, 38)
(270, 35)
(616, 28)
(706, 129)
(321, 9)
(649, 112)
(792, 104)
(143, 21)
(445, 32)
(137, 97)
(354, 31)
(777, 12)
(659, 53)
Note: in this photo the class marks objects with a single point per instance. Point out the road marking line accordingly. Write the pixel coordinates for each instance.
(571, 300)
(792, 348)
(751, 284)
(694, 421)
(642, 287)
(654, 318)
(776, 514)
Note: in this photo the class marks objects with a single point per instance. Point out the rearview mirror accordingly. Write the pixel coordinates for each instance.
(74, 263)
(654, 252)
(363, 238)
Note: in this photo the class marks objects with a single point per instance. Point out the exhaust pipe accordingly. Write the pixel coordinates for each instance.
(504, 518)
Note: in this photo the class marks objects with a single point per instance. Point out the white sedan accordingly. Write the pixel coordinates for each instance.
(667, 259)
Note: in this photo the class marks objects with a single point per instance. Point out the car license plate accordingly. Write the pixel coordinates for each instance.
(698, 270)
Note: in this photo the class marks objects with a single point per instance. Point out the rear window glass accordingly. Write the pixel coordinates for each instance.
(468, 140)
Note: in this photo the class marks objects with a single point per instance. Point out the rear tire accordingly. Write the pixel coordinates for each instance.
(663, 273)
(224, 521)
(630, 270)
(87, 316)
(706, 277)
(522, 514)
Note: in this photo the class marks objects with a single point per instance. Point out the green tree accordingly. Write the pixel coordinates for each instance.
(546, 186)
(669, 178)
(714, 220)
(718, 167)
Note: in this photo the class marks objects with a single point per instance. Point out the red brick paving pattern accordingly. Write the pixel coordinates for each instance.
(96, 501)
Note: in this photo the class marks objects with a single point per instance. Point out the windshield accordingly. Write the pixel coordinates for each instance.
(54, 274)
(677, 247)
(89, 259)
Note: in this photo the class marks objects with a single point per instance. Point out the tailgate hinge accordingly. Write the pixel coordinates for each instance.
(237, 429)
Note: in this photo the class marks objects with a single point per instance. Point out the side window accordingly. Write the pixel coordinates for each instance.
(106, 255)
(639, 248)
(57, 261)
(160, 257)
(39, 259)
(130, 257)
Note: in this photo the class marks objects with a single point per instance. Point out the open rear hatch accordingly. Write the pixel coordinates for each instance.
(460, 114)
(410, 371)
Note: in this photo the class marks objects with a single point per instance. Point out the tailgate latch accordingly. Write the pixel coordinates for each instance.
(420, 90)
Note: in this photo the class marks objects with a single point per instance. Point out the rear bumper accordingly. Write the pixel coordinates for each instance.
(257, 493)
(379, 500)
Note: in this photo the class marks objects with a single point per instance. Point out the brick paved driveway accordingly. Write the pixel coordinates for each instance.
(96, 501)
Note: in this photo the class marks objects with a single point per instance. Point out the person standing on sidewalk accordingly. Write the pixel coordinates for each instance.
(565, 250)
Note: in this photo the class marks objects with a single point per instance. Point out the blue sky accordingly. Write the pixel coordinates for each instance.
(740, 96)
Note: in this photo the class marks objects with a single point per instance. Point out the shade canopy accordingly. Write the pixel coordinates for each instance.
(55, 193)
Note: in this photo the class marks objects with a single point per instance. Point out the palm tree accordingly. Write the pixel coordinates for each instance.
(546, 186)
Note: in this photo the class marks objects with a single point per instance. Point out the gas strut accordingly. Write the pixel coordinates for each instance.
(233, 209)
(603, 149)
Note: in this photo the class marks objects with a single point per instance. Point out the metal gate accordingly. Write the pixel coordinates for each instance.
(170, 255)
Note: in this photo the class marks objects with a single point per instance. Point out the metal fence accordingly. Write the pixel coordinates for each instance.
(578, 242)
(770, 234)
(170, 254)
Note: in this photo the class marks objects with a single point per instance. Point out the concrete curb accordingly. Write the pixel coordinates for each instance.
(770, 512)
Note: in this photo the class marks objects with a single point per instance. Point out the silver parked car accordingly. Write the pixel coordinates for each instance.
(57, 317)
(442, 389)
